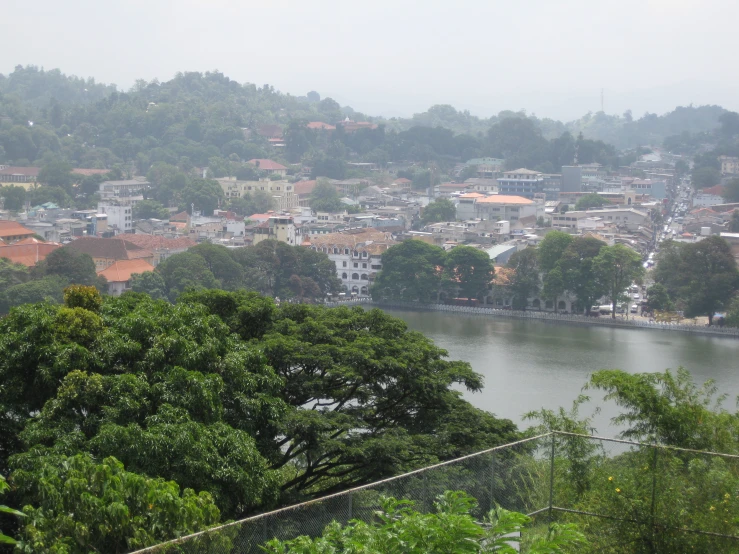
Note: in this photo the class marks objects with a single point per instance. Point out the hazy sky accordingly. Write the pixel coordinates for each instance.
(402, 56)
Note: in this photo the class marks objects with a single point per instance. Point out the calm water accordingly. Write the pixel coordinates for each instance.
(529, 364)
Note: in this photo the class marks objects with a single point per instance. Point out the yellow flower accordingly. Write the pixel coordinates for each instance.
(151, 506)
(618, 490)
(727, 496)
(610, 478)
(712, 509)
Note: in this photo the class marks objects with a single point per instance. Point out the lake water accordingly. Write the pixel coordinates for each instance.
(531, 364)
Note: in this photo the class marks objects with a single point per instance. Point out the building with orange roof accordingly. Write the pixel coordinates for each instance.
(500, 207)
(12, 231)
(119, 274)
(105, 252)
(268, 166)
(320, 126)
(303, 189)
(28, 251)
(161, 247)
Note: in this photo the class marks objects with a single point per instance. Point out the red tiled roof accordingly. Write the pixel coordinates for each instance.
(182, 216)
(27, 171)
(402, 181)
(112, 248)
(28, 251)
(270, 131)
(716, 190)
(304, 187)
(320, 125)
(13, 229)
(265, 164)
(152, 242)
(121, 271)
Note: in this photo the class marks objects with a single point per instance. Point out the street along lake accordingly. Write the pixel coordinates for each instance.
(533, 364)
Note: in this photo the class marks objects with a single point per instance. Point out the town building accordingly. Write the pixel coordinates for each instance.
(282, 192)
(350, 126)
(483, 185)
(303, 190)
(655, 189)
(320, 126)
(357, 254)
(279, 228)
(571, 178)
(28, 251)
(710, 196)
(268, 166)
(118, 274)
(729, 165)
(630, 218)
(12, 231)
(161, 247)
(105, 252)
(506, 207)
(126, 192)
(521, 182)
(487, 168)
(119, 216)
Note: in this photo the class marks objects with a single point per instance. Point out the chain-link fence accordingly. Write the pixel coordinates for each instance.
(627, 497)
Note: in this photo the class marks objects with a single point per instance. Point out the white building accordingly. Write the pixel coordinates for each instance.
(504, 207)
(356, 254)
(119, 215)
(627, 217)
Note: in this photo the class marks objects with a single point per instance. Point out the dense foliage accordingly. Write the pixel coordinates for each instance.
(241, 404)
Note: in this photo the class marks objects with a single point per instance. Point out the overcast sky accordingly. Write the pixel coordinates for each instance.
(398, 57)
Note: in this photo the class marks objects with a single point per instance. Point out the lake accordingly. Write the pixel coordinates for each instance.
(531, 364)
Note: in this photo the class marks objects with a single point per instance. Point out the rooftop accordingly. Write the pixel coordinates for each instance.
(122, 270)
(505, 199)
(154, 242)
(267, 165)
(13, 229)
(112, 248)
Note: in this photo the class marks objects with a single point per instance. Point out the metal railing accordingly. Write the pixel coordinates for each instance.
(628, 496)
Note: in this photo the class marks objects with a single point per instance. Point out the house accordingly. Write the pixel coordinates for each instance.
(655, 189)
(268, 166)
(466, 205)
(119, 274)
(161, 247)
(12, 231)
(630, 218)
(105, 252)
(483, 185)
(350, 126)
(19, 176)
(448, 190)
(270, 131)
(27, 251)
(711, 196)
(357, 254)
(487, 168)
(119, 216)
(501, 253)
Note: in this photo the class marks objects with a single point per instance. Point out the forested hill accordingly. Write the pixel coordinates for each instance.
(195, 119)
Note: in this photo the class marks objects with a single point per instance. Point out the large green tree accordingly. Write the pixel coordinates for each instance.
(69, 264)
(440, 209)
(325, 198)
(578, 274)
(525, 280)
(57, 174)
(13, 197)
(468, 272)
(617, 267)
(551, 248)
(590, 201)
(205, 194)
(411, 270)
(701, 277)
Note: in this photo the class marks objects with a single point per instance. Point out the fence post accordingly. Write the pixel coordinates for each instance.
(351, 506)
(492, 481)
(654, 492)
(551, 479)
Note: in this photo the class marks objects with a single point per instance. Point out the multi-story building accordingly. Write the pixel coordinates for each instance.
(282, 192)
(655, 189)
(625, 217)
(521, 182)
(127, 192)
(503, 207)
(487, 168)
(279, 228)
(119, 216)
(268, 166)
(729, 165)
(105, 252)
(357, 254)
(12, 231)
(571, 178)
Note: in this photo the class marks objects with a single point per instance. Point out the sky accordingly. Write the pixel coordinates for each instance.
(399, 57)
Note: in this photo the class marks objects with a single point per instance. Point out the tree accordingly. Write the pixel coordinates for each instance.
(109, 510)
(298, 140)
(72, 266)
(151, 283)
(150, 209)
(205, 194)
(551, 248)
(5, 539)
(57, 174)
(468, 271)
(328, 166)
(411, 271)
(440, 209)
(590, 201)
(658, 298)
(186, 270)
(167, 182)
(578, 274)
(705, 177)
(525, 280)
(257, 202)
(701, 277)
(14, 197)
(451, 527)
(325, 198)
(43, 194)
(617, 267)
(731, 192)
(45, 289)
(221, 264)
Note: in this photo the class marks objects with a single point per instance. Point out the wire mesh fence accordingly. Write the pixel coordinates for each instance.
(627, 497)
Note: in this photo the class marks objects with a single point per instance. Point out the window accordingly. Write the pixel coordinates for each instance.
(343, 275)
(343, 264)
(364, 266)
(364, 276)
(355, 276)
(356, 265)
